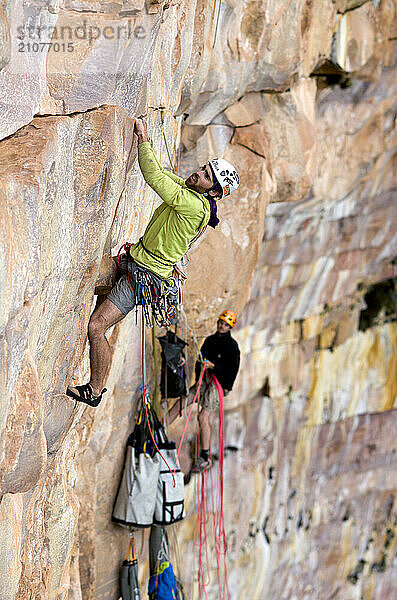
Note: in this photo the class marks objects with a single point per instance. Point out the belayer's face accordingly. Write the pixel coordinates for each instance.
(201, 180)
(222, 326)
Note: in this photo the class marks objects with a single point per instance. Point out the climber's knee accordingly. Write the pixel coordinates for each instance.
(96, 326)
(106, 315)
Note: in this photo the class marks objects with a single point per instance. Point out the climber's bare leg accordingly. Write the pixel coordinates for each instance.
(103, 317)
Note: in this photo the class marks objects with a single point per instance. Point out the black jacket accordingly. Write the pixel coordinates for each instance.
(223, 351)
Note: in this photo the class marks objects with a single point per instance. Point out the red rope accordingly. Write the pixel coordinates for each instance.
(221, 546)
(144, 400)
(217, 513)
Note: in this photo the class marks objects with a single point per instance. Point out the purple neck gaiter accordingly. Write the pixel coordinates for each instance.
(213, 222)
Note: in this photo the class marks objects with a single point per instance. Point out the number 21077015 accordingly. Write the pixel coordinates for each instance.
(43, 46)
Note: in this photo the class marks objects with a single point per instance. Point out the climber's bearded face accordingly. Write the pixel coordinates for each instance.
(201, 181)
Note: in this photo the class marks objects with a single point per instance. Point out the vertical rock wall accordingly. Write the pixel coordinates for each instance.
(301, 97)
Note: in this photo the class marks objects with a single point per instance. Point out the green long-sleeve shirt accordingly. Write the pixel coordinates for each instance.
(182, 215)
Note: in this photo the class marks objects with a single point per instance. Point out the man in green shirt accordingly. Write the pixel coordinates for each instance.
(188, 207)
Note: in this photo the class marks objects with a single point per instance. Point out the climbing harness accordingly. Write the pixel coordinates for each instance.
(158, 297)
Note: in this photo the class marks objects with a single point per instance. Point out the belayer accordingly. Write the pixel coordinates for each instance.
(188, 207)
(221, 356)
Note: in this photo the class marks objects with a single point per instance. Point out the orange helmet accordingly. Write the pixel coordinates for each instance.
(229, 317)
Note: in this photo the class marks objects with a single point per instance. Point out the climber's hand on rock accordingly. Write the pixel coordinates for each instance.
(141, 130)
(208, 364)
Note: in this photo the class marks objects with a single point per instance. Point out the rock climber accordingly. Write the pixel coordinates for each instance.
(221, 356)
(188, 207)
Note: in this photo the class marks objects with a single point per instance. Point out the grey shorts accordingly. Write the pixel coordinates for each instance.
(122, 294)
(209, 399)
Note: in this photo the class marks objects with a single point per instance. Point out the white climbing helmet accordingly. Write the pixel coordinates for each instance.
(225, 174)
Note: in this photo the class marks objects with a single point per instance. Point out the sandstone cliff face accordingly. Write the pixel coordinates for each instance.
(301, 97)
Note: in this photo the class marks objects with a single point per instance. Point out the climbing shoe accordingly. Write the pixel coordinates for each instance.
(84, 393)
(202, 464)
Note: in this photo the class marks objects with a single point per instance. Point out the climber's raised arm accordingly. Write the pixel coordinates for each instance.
(141, 132)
